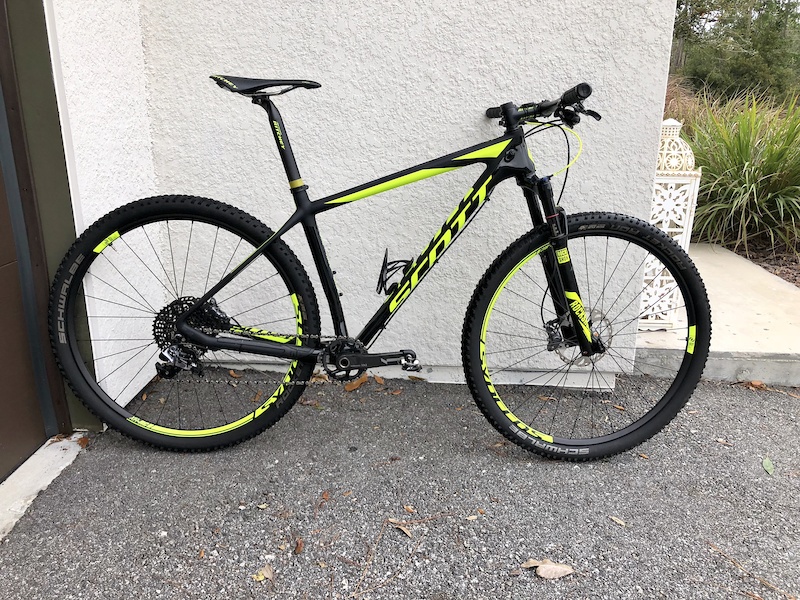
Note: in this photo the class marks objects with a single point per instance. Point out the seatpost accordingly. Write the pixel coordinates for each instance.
(296, 184)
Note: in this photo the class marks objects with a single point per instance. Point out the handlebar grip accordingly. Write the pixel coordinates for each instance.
(494, 113)
(576, 94)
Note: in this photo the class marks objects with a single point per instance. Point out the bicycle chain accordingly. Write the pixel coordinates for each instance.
(302, 336)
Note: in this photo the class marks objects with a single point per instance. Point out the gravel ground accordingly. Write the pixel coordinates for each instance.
(698, 515)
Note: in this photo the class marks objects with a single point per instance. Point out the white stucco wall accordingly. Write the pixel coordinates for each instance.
(401, 83)
(98, 64)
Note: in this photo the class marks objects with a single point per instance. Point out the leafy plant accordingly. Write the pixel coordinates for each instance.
(749, 150)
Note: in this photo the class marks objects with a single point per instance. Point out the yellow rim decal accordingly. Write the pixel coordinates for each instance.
(390, 185)
(195, 433)
(492, 151)
(562, 255)
(486, 377)
(106, 242)
(296, 183)
(691, 339)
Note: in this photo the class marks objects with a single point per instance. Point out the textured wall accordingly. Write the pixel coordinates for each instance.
(402, 83)
(100, 82)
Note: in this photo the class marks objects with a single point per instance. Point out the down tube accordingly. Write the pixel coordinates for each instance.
(449, 231)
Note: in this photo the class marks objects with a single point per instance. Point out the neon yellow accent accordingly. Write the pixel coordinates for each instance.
(562, 254)
(278, 132)
(486, 377)
(492, 151)
(390, 185)
(691, 339)
(577, 156)
(106, 242)
(577, 307)
(196, 433)
(296, 183)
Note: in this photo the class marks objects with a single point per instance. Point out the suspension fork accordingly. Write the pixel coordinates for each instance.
(558, 269)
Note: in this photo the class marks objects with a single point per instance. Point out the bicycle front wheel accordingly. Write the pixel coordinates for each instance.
(115, 302)
(642, 296)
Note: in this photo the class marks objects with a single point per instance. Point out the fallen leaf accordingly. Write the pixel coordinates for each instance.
(282, 547)
(257, 397)
(264, 573)
(83, 441)
(262, 506)
(409, 508)
(531, 563)
(234, 374)
(515, 573)
(481, 511)
(394, 458)
(299, 545)
(378, 379)
(617, 520)
(347, 493)
(415, 378)
(320, 377)
(546, 398)
(309, 402)
(202, 553)
(401, 526)
(724, 442)
(356, 383)
(547, 569)
(396, 392)
(644, 456)
(162, 400)
(619, 407)
(768, 466)
(472, 517)
(326, 495)
(322, 565)
(550, 570)
(144, 396)
(757, 385)
(459, 408)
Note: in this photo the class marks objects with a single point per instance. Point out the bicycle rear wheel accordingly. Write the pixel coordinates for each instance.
(644, 297)
(119, 292)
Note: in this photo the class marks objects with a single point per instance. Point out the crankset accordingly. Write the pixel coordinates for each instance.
(347, 358)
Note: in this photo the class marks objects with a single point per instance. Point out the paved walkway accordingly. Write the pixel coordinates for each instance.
(755, 319)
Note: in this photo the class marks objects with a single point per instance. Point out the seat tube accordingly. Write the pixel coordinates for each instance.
(285, 150)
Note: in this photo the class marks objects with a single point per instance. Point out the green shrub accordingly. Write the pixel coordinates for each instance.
(749, 150)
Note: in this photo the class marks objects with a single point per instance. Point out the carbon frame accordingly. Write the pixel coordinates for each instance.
(504, 157)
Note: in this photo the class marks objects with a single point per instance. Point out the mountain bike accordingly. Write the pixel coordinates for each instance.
(188, 324)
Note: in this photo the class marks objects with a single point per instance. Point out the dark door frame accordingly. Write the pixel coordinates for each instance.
(27, 228)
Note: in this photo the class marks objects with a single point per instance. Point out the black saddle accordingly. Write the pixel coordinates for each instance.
(247, 86)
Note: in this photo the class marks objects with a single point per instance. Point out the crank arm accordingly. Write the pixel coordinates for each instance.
(405, 358)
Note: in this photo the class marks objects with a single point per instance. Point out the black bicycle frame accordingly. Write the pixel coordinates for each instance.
(506, 156)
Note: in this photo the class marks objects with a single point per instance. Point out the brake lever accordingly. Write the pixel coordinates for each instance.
(581, 109)
(595, 115)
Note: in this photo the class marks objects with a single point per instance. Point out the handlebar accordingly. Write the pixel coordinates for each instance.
(572, 97)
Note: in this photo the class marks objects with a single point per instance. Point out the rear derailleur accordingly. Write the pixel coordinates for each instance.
(178, 357)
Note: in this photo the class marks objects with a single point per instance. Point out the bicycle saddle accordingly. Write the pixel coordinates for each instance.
(248, 86)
